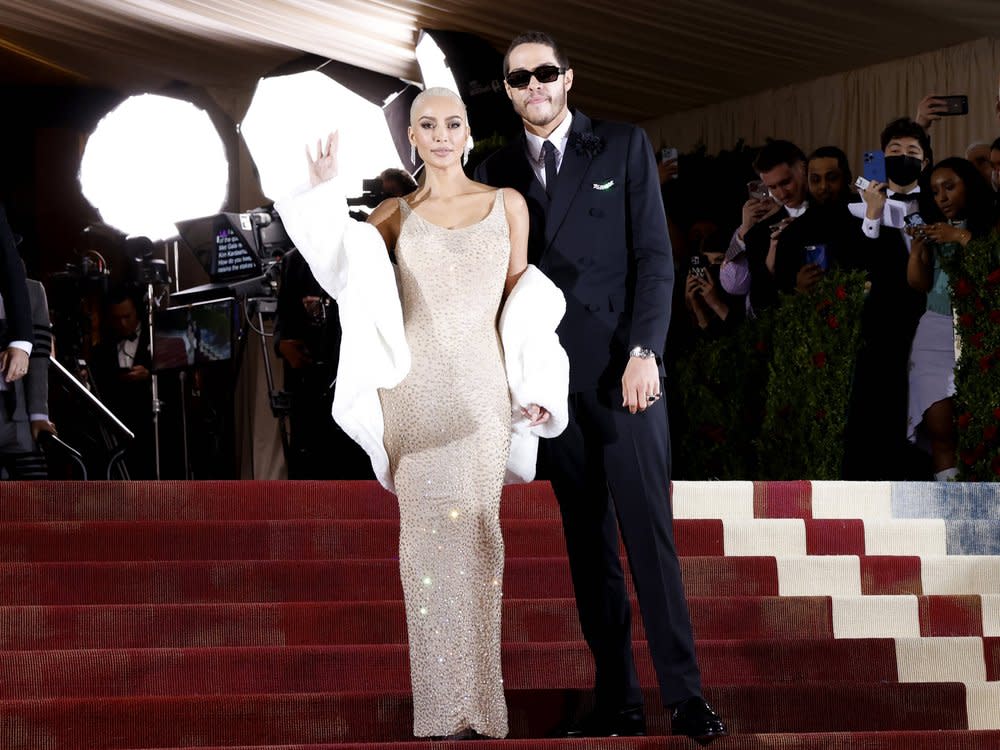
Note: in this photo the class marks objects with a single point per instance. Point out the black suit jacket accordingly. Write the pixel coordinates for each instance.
(14, 288)
(602, 238)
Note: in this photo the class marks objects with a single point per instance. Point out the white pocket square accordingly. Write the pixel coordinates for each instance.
(604, 185)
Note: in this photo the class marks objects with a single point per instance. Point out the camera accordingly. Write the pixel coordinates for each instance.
(371, 194)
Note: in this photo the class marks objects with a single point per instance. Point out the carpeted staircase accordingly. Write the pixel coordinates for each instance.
(268, 614)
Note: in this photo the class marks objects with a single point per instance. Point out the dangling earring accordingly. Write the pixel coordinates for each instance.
(413, 155)
(468, 150)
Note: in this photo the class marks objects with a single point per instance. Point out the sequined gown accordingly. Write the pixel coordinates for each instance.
(447, 434)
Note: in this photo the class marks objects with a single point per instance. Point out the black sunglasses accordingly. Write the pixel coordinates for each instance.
(518, 79)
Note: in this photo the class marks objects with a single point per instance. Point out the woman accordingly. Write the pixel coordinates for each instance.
(442, 438)
(961, 210)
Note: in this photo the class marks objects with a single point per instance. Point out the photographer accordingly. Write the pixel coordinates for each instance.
(121, 366)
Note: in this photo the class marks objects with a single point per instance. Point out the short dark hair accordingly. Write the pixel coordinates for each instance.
(832, 152)
(120, 293)
(401, 177)
(777, 152)
(904, 127)
(995, 146)
(534, 37)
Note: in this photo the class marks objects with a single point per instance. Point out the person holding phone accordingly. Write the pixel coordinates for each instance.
(877, 448)
(961, 210)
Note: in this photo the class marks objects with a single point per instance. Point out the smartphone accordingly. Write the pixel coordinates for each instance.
(816, 254)
(697, 267)
(873, 166)
(913, 223)
(955, 104)
(756, 189)
(668, 153)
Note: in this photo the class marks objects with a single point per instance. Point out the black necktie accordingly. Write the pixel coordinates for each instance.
(549, 152)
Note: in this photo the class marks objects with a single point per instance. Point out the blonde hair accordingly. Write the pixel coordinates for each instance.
(436, 91)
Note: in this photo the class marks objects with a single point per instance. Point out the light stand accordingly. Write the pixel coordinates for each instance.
(153, 272)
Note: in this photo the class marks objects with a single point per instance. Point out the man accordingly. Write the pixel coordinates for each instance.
(16, 338)
(751, 259)
(827, 225)
(876, 446)
(121, 365)
(979, 154)
(598, 230)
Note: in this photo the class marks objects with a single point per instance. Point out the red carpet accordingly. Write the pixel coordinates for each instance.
(268, 614)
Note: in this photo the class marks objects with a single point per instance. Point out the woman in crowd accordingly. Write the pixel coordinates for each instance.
(438, 426)
(961, 209)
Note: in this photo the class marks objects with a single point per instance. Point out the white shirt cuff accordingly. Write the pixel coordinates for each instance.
(871, 227)
(38, 417)
(24, 346)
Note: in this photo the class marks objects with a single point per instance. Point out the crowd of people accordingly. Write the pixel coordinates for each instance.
(804, 217)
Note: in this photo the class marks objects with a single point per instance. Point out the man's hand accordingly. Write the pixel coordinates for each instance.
(13, 363)
(874, 197)
(640, 384)
(928, 111)
(295, 353)
(137, 373)
(537, 414)
(807, 277)
(754, 210)
(38, 426)
(667, 170)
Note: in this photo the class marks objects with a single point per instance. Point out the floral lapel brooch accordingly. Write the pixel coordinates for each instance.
(586, 144)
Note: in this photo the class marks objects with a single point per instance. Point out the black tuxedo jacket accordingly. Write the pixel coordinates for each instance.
(602, 238)
(14, 289)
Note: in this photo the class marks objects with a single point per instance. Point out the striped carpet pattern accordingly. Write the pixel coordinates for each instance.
(269, 615)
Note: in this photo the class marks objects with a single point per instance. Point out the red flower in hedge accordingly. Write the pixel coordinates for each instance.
(964, 419)
(990, 433)
(996, 412)
(985, 363)
(994, 278)
(994, 316)
(966, 320)
(968, 458)
(760, 346)
(976, 340)
(819, 359)
(820, 415)
(963, 287)
(833, 322)
(841, 293)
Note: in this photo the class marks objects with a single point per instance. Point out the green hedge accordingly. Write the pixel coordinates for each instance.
(974, 280)
(770, 401)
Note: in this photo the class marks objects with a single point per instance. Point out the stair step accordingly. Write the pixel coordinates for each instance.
(526, 666)
(524, 578)
(151, 722)
(324, 539)
(895, 740)
(525, 620)
(258, 500)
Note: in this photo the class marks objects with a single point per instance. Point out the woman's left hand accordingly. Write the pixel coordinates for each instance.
(942, 233)
(537, 414)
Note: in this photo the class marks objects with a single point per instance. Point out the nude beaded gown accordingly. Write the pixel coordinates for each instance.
(447, 434)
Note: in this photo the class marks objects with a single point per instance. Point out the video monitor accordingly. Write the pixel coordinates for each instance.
(194, 334)
(224, 245)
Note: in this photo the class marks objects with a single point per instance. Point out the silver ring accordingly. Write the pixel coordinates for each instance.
(653, 397)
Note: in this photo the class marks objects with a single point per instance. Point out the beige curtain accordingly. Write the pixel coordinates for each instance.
(850, 109)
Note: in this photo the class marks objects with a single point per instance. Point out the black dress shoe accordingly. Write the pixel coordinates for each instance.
(694, 718)
(625, 722)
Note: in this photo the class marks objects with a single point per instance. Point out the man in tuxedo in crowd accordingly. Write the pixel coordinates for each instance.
(598, 230)
(16, 336)
(122, 366)
(877, 447)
